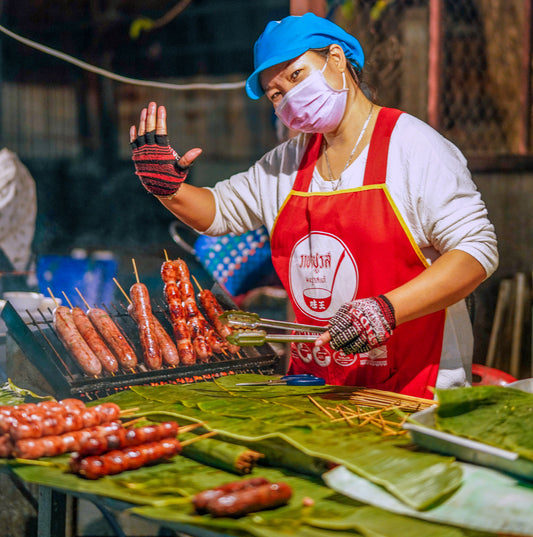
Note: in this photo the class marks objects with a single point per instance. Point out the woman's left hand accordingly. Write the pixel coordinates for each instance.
(360, 326)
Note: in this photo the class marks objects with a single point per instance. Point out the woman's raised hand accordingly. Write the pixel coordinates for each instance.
(160, 169)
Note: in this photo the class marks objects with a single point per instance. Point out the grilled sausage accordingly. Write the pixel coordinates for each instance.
(177, 315)
(195, 321)
(201, 499)
(6, 445)
(113, 337)
(242, 502)
(37, 424)
(169, 352)
(120, 460)
(213, 310)
(74, 342)
(52, 445)
(127, 437)
(145, 322)
(93, 339)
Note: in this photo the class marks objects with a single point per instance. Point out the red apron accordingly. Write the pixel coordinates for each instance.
(329, 248)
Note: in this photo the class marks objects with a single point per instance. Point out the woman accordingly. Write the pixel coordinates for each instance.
(377, 230)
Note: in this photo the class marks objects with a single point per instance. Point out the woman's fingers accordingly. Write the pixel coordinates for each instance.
(322, 339)
(161, 123)
(133, 133)
(189, 157)
(151, 117)
(142, 122)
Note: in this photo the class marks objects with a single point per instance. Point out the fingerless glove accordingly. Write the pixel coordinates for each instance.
(362, 325)
(157, 164)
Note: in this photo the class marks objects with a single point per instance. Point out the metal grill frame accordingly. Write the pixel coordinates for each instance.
(41, 346)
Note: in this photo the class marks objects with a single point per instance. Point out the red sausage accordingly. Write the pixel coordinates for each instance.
(213, 310)
(36, 425)
(169, 352)
(113, 337)
(74, 342)
(239, 503)
(201, 499)
(93, 339)
(195, 321)
(145, 322)
(120, 460)
(52, 445)
(179, 324)
(127, 437)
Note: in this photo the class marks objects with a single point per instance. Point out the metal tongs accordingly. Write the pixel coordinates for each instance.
(246, 329)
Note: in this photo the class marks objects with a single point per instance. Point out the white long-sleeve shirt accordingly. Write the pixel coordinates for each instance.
(430, 184)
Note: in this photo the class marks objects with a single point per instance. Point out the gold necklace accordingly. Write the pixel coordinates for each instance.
(361, 134)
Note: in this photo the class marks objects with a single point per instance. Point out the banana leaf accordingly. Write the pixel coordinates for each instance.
(11, 395)
(230, 457)
(163, 492)
(495, 415)
(283, 424)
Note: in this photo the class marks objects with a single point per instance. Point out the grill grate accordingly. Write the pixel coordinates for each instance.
(36, 338)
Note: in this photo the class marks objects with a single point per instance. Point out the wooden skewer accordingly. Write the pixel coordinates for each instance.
(196, 282)
(82, 297)
(166, 255)
(135, 270)
(326, 412)
(198, 438)
(68, 301)
(189, 428)
(52, 296)
(122, 290)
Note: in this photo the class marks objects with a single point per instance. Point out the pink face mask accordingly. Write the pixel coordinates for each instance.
(313, 105)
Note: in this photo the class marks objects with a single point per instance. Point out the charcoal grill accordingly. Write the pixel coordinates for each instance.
(39, 344)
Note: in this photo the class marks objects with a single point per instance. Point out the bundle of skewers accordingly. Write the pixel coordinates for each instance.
(388, 411)
(100, 443)
(99, 346)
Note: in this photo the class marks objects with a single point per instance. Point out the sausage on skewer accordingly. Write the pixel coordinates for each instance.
(113, 337)
(169, 352)
(242, 502)
(52, 445)
(177, 315)
(93, 339)
(201, 499)
(72, 339)
(37, 424)
(195, 320)
(127, 437)
(213, 310)
(120, 460)
(145, 322)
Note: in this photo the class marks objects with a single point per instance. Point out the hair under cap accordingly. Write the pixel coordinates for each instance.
(292, 36)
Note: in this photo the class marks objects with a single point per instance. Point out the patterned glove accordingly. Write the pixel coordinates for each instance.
(362, 325)
(157, 164)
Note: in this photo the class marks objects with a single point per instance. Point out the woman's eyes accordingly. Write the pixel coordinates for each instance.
(295, 74)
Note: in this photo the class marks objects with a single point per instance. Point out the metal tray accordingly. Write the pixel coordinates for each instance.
(425, 435)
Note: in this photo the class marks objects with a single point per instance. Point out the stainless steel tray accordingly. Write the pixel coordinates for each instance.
(425, 435)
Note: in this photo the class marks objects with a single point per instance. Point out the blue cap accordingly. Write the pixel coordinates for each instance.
(292, 36)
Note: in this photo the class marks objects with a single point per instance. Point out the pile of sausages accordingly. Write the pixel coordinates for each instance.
(239, 498)
(196, 336)
(49, 428)
(99, 442)
(93, 340)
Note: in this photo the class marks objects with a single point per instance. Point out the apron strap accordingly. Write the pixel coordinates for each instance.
(308, 163)
(378, 152)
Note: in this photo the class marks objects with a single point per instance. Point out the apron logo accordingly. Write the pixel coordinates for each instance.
(322, 356)
(323, 275)
(344, 360)
(304, 352)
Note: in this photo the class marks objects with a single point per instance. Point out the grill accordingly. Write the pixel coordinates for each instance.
(39, 344)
